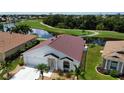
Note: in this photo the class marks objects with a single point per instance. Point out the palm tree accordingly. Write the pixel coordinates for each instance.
(42, 68)
(79, 72)
(4, 66)
(22, 29)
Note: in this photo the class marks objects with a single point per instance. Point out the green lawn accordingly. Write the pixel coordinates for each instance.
(103, 34)
(92, 60)
(110, 34)
(36, 24)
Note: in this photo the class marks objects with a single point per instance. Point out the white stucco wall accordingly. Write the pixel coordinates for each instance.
(2, 56)
(36, 56)
(120, 65)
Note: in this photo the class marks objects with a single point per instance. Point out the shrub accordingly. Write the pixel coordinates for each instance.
(58, 78)
(92, 45)
(21, 63)
(68, 75)
(114, 73)
(60, 72)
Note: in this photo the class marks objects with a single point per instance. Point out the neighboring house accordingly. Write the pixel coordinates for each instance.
(8, 26)
(59, 53)
(10, 43)
(113, 56)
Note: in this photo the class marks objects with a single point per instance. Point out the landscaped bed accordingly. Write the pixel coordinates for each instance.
(10, 67)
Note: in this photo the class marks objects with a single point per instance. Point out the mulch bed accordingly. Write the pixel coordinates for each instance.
(101, 70)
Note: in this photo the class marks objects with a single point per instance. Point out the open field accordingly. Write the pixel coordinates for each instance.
(39, 25)
(102, 34)
(110, 34)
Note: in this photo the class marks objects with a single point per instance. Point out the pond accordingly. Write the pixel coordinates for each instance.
(98, 40)
(42, 33)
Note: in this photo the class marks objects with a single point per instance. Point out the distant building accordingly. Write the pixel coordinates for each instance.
(8, 26)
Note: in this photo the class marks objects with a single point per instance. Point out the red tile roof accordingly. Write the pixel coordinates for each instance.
(69, 45)
(9, 41)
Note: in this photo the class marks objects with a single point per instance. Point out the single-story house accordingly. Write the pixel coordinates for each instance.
(113, 56)
(59, 53)
(10, 43)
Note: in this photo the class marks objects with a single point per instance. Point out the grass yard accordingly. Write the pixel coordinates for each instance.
(110, 34)
(92, 60)
(36, 24)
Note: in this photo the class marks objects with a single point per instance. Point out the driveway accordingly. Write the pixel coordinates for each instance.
(29, 73)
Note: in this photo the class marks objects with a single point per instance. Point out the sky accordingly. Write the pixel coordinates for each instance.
(65, 13)
(61, 5)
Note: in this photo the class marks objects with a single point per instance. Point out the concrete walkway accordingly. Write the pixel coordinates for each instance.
(94, 32)
(46, 25)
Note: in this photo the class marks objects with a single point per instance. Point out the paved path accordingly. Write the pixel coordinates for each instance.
(46, 25)
(94, 32)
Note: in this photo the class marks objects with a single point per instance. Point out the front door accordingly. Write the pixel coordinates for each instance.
(66, 66)
(51, 64)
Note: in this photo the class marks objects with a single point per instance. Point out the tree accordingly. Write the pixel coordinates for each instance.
(119, 25)
(109, 22)
(79, 72)
(1, 26)
(22, 29)
(4, 65)
(69, 22)
(42, 68)
(53, 20)
(89, 22)
(100, 26)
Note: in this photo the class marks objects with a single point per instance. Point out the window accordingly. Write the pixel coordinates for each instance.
(120, 52)
(113, 65)
(66, 65)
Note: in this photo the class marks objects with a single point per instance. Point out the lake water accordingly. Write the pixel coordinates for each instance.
(42, 33)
